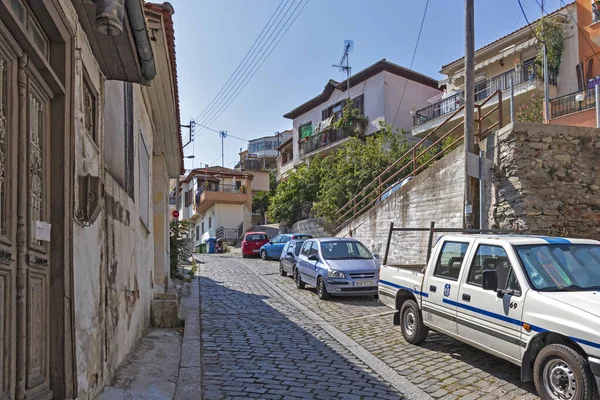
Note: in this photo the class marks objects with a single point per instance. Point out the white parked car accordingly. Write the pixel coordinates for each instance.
(534, 301)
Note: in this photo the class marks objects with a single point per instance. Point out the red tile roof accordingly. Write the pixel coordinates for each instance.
(167, 11)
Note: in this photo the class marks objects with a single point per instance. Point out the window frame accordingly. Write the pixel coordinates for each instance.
(439, 257)
(306, 246)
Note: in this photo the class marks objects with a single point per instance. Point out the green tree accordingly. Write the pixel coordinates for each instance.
(260, 202)
(299, 187)
(179, 253)
(352, 122)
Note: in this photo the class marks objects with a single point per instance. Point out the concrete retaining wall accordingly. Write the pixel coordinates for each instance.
(436, 194)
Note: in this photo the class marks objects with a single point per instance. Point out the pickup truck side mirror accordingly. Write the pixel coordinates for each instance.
(313, 257)
(490, 280)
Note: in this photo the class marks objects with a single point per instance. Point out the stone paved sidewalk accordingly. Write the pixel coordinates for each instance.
(165, 365)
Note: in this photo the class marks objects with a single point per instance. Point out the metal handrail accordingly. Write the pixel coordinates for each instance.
(356, 205)
(499, 82)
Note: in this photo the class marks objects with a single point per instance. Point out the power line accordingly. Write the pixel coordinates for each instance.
(214, 130)
(236, 91)
(238, 68)
(581, 31)
(251, 64)
(413, 60)
(528, 24)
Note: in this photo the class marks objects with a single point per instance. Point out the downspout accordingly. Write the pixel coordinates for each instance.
(137, 19)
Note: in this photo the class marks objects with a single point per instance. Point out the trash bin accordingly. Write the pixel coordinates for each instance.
(202, 248)
(210, 244)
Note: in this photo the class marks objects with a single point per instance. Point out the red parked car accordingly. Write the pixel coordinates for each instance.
(252, 243)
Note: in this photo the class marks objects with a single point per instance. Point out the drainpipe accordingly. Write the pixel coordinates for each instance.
(137, 19)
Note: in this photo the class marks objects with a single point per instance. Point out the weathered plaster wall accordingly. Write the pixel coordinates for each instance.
(436, 194)
(547, 180)
(113, 259)
(160, 209)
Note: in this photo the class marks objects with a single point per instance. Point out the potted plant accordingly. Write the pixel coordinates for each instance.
(243, 189)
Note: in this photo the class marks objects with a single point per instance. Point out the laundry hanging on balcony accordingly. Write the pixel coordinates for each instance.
(305, 131)
(321, 126)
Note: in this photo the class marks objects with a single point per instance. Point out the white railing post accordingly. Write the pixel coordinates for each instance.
(512, 97)
(597, 105)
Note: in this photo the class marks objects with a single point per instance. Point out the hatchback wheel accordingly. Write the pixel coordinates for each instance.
(298, 279)
(263, 254)
(281, 270)
(322, 289)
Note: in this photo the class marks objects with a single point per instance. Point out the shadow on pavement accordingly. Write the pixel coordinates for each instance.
(492, 365)
(251, 349)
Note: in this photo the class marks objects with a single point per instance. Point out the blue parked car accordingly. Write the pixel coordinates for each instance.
(273, 249)
(337, 267)
(289, 257)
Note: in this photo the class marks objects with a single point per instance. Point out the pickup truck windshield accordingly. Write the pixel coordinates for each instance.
(344, 250)
(561, 267)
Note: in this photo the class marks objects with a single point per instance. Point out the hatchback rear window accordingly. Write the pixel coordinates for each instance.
(301, 237)
(255, 237)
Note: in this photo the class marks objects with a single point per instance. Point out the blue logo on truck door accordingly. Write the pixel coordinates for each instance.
(447, 290)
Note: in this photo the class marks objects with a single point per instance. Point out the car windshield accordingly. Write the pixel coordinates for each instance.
(255, 237)
(558, 267)
(344, 250)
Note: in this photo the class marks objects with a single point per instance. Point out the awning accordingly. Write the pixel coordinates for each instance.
(503, 54)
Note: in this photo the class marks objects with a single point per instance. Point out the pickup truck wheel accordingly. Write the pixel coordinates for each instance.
(560, 373)
(322, 289)
(413, 329)
(281, 270)
(298, 279)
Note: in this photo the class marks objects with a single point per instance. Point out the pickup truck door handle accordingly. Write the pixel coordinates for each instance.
(432, 288)
(466, 297)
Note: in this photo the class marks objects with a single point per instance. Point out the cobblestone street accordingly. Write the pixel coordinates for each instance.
(264, 338)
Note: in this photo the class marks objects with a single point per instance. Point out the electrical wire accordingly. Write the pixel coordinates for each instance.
(228, 135)
(249, 66)
(581, 31)
(238, 68)
(413, 60)
(528, 24)
(234, 96)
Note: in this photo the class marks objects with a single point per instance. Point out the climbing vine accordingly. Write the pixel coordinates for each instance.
(352, 122)
(553, 35)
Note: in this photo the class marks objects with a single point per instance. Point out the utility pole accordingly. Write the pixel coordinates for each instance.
(223, 135)
(545, 51)
(469, 106)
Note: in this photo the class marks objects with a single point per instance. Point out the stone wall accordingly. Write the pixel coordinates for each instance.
(546, 180)
(436, 194)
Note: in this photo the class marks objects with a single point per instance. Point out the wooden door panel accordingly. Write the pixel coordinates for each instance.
(37, 328)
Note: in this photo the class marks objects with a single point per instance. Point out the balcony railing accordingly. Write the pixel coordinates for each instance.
(321, 140)
(568, 104)
(214, 187)
(526, 74)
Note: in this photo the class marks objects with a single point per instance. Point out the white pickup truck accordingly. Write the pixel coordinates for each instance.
(532, 300)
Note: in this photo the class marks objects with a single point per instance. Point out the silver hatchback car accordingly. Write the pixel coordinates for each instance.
(337, 267)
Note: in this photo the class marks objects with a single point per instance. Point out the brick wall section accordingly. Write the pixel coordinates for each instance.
(547, 180)
(435, 194)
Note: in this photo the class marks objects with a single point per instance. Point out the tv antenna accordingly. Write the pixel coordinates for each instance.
(345, 62)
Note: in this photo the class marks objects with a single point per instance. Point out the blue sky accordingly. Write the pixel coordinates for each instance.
(212, 37)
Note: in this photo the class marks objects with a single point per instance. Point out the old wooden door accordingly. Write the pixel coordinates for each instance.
(24, 200)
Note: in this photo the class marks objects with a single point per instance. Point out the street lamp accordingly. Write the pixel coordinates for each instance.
(579, 99)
